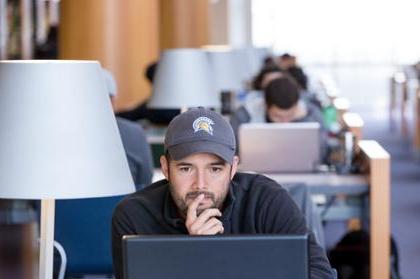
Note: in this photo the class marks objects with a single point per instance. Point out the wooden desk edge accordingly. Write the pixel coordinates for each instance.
(380, 219)
(354, 123)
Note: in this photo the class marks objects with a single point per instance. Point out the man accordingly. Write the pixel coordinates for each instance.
(286, 61)
(266, 74)
(203, 195)
(281, 103)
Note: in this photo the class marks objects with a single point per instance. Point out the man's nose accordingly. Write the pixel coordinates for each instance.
(200, 181)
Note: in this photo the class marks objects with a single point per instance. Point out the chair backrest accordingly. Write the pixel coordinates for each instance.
(83, 228)
(302, 197)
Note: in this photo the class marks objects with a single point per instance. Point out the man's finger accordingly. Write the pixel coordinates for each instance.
(202, 219)
(207, 214)
(192, 209)
(217, 229)
(210, 224)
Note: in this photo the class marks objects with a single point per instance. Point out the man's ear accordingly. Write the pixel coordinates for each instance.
(234, 166)
(164, 164)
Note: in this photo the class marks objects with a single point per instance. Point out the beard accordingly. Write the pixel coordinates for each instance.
(183, 202)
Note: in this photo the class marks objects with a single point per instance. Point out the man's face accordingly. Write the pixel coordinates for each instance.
(286, 62)
(278, 115)
(198, 173)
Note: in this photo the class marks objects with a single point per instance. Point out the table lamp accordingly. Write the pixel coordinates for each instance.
(59, 139)
(227, 78)
(248, 61)
(258, 55)
(225, 73)
(183, 80)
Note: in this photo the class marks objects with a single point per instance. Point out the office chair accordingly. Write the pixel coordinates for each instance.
(83, 228)
(302, 197)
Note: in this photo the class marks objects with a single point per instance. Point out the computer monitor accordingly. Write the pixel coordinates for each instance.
(279, 147)
(216, 257)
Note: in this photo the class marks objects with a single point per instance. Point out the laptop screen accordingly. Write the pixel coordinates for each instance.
(211, 257)
(279, 147)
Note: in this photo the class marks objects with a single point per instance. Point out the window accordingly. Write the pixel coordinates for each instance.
(339, 32)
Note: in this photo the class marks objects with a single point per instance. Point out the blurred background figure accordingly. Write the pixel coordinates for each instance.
(267, 73)
(286, 61)
(137, 149)
(281, 103)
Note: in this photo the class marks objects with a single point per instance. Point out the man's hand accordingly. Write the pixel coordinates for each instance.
(204, 224)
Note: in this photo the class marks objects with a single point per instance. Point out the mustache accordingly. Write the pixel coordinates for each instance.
(193, 195)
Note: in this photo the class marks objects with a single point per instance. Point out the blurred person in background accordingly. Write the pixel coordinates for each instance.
(137, 149)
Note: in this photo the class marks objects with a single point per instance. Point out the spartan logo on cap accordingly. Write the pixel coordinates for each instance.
(203, 124)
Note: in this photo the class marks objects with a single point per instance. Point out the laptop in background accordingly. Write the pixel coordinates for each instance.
(279, 147)
(215, 257)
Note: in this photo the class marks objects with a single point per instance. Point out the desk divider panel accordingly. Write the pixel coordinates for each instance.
(378, 161)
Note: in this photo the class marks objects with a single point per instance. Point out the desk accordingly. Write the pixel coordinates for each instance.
(405, 87)
(342, 105)
(404, 84)
(354, 123)
(376, 181)
(326, 183)
(399, 87)
(377, 162)
(349, 193)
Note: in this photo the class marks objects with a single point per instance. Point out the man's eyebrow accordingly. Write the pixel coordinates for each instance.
(185, 164)
(218, 163)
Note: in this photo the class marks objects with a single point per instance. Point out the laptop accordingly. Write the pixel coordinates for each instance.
(279, 147)
(215, 257)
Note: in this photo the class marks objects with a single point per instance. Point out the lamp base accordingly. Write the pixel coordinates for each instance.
(47, 239)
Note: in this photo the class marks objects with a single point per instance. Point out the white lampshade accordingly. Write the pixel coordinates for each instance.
(59, 137)
(184, 79)
(249, 61)
(227, 76)
(257, 58)
(243, 64)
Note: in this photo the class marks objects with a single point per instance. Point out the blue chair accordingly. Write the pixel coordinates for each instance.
(302, 197)
(83, 228)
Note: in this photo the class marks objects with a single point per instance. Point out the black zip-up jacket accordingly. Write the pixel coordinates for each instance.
(255, 204)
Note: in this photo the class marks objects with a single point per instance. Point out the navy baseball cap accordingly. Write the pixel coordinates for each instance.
(200, 130)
